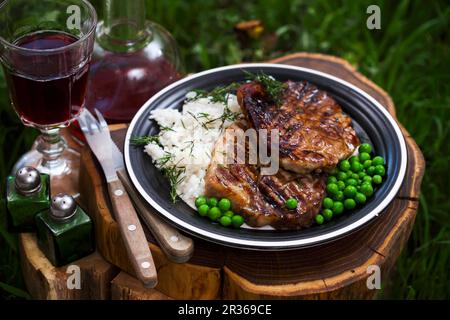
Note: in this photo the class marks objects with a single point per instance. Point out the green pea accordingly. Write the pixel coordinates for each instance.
(361, 175)
(367, 189)
(377, 179)
(224, 204)
(338, 208)
(237, 221)
(367, 179)
(370, 170)
(365, 147)
(367, 164)
(379, 170)
(353, 176)
(331, 179)
(327, 203)
(319, 219)
(341, 176)
(350, 191)
(360, 198)
(353, 159)
(344, 165)
(229, 214)
(212, 202)
(332, 188)
(339, 196)
(341, 185)
(292, 203)
(225, 221)
(351, 182)
(203, 210)
(378, 161)
(214, 213)
(356, 167)
(327, 214)
(201, 200)
(364, 157)
(349, 204)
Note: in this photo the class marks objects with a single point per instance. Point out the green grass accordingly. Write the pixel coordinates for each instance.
(409, 57)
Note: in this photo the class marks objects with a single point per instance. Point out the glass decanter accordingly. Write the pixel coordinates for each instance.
(133, 59)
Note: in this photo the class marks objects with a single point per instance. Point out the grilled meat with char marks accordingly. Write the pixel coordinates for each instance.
(261, 199)
(314, 133)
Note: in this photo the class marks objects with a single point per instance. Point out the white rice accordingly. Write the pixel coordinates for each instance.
(188, 138)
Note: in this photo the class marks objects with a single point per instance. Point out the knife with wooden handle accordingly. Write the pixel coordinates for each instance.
(132, 234)
(176, 246)
(99, 140)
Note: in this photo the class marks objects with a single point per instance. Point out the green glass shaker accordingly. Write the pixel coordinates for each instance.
(65, 232)
(27, 193)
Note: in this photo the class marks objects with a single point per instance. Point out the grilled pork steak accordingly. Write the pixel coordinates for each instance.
(261, 199)
(314, 133)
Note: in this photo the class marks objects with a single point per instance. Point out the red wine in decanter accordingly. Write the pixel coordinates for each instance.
(120, 83)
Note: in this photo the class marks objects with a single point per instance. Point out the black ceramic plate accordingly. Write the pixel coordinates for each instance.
(371, 122)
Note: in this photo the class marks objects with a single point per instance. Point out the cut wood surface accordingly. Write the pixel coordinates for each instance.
(335, 270)
(126, 287)
(44, 281)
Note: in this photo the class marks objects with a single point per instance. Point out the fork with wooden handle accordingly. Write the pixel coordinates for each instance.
(176, 246)
(130, 227)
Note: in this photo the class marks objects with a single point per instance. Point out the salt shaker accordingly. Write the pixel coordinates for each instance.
(27, 193)
(65, 232)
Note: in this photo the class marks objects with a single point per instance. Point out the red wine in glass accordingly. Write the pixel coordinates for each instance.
(46, 100)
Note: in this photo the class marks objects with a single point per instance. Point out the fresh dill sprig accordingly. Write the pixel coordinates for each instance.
(173, 174)
(161, 162)
(218, 94)
(273, 87)
(190, 145)
(198, 121)
(164, 128)
(204, 115)
(226, 115)
(144, 140)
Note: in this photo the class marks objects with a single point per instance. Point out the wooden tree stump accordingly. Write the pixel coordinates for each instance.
(125, 287)
(336, 270)
(44, 281)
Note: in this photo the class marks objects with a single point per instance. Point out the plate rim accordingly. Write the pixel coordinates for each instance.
(256, 244)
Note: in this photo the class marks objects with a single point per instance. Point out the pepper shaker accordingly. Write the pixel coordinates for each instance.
(27, 193)
(65, 232)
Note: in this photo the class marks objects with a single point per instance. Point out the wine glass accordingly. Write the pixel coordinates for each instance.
(45, 51)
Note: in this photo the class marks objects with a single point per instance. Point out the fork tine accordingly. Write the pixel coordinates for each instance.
(91, 122)
(82, 123)
(101, 120)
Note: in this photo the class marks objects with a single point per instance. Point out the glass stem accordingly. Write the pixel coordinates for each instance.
(51, 145)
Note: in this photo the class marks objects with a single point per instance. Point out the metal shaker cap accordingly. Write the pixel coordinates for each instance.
(63, 207)
(27, 181)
